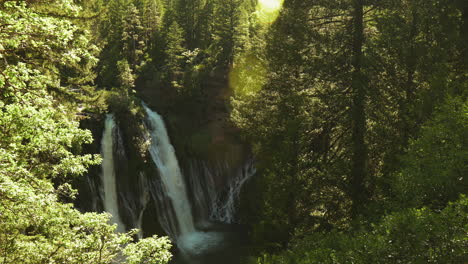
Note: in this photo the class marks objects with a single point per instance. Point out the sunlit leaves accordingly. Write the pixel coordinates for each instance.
(41, 141)
(35, 227)
(151, 250)
(409, 236)
(25, 29)
(435, 167)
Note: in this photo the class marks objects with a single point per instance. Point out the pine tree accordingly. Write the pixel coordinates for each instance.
(126, 77)
(42, 49)
(110, 35)
(174, 57)
(152, 12)
(225, 31)
(134, 47)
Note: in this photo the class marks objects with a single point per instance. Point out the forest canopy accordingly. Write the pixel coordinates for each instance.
(355, 110)
(46, 65)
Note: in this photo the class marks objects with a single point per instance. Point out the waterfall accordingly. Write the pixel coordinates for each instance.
(94, 194)
(211, 189)
(223, 210)
(110, 197)
(143, 200)
(217, 200)
(163, 156)
(172, 195)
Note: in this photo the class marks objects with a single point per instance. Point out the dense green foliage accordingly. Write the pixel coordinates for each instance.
(356, 112)
(363, 114)
(409, 236)
(46, 63)
(434, 167)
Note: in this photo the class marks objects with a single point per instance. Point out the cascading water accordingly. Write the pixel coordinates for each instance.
(217, 201)
(188, 239)
(163, 155)
(202, 233)
(143, 199)
(223, 210)
(94, 194)
(110, 197)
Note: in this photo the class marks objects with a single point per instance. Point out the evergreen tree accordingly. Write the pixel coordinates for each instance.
(349, 84)
(41, 143)
(174, 57)
(355, 111)
(126, 77)
(204, 25)
(359, 89)
(134, 47)
(151, 21)
(225, 31)
(186, 15)
(110, 35)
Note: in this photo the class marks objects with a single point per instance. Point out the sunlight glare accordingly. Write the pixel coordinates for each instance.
(268, 10)
(270, 5)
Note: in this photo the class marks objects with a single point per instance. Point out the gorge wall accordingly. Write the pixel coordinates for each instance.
(214, 165)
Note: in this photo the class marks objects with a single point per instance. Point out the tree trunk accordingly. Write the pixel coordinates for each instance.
(359, 148)
(464, 37)
(406, 109)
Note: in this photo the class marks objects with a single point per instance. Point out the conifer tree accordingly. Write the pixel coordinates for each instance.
(174, 57)
(225, 31)
(41, 49)
(134, 46)
(151, 21)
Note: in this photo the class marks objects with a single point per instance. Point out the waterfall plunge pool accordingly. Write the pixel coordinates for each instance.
(195, 242)
(215, 244)
(210, 243)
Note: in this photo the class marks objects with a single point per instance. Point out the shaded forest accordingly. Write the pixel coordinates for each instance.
(355, 112)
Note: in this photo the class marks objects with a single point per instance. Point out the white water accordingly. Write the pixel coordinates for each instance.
(189, 240)
(163, 155)
(223, 210)
(143, 201)
(94, 194)
(218, 200)
(110, 197)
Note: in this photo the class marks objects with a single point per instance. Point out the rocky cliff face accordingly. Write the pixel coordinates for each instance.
(205, 142)
(87, 200)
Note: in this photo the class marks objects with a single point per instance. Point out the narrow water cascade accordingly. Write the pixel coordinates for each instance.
(203, 183)
(215, 200)
(224, 208)
(109, 186)
(163, 156)
(94, 194)
(188, 239)
(143, 199)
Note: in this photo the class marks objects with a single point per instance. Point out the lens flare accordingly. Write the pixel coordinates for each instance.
(248, 74)
(268, 10)
(270, 5)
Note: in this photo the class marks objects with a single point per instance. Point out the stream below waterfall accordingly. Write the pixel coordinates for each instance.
(210, 237)
(219, 244)
(213, 243)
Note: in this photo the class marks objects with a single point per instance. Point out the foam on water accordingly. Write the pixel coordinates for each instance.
(110, 194)
(199, 242)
